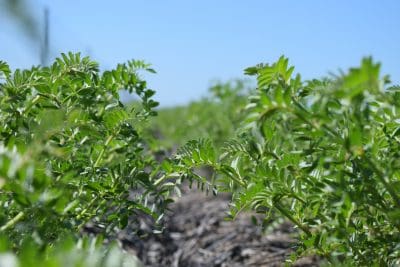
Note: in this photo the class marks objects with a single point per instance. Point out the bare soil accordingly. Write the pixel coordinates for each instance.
(197, 234)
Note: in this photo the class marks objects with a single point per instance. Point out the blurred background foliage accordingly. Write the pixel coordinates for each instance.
(215, 117)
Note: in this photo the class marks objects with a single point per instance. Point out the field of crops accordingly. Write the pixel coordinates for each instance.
(282, 171)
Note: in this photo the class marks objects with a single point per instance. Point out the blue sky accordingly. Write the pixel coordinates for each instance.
(191, 43)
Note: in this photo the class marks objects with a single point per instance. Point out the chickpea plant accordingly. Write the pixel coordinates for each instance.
(324, 154)
(70, 153)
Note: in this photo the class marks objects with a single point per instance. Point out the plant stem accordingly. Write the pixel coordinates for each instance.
(13, 221)
(108, 141)
(381, 177)
(30, 105)
(83, 212)
(286, 213)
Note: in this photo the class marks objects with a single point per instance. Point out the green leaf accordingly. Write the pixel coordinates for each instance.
(4, 69)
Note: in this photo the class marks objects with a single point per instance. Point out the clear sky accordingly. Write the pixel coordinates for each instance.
(191, 43)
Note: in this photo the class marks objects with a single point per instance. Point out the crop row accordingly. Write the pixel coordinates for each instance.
(323, 154)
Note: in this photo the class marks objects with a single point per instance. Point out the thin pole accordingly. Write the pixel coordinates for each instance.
(44, 53)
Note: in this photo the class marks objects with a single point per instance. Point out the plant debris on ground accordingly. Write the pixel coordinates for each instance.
(197, 234)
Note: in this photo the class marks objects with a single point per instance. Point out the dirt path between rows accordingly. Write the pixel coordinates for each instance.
(196, 234)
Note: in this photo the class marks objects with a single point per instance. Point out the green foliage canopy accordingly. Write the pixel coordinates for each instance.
(70, 153)
(323, 154)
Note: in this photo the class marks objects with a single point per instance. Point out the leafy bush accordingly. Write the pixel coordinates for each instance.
(323, 154)
(70, 153)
